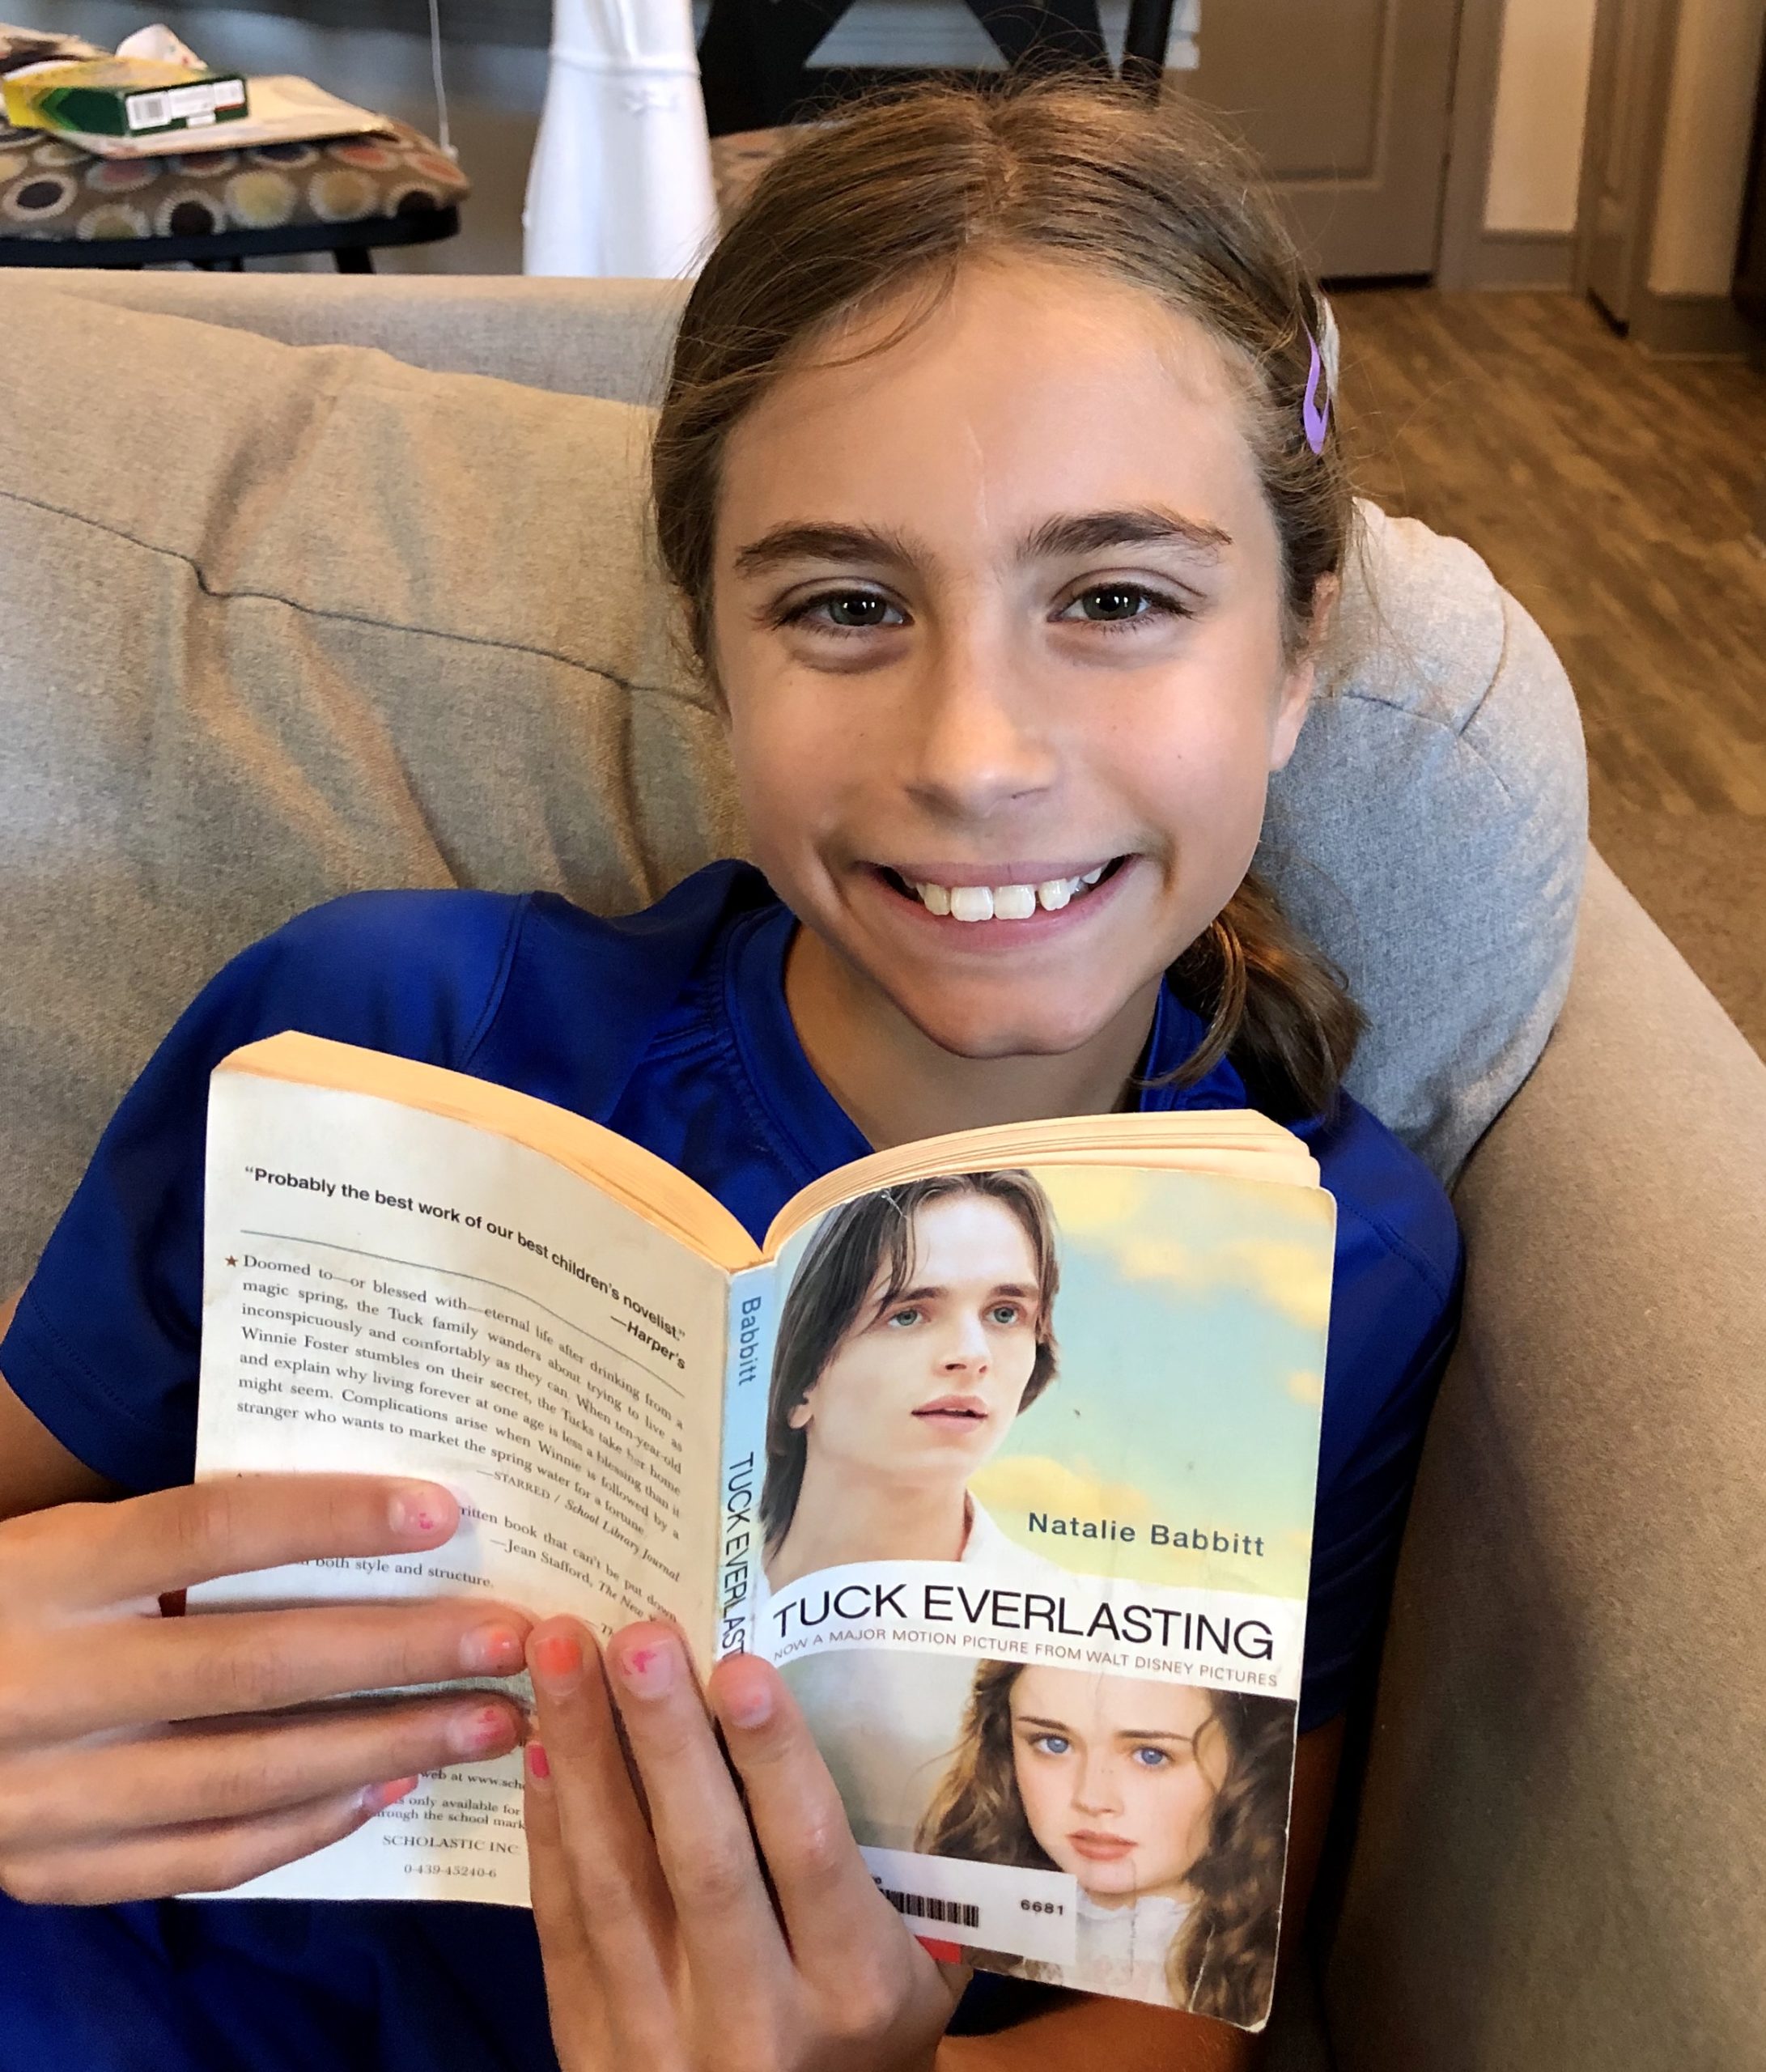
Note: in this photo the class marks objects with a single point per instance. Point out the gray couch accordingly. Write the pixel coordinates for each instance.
(274, 623)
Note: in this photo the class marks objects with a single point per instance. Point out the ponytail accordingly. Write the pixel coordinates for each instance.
(1276, 1008)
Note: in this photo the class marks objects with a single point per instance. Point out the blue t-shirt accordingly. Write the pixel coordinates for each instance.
(671, 1027)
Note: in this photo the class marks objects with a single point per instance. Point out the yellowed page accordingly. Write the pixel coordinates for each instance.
(1238, 1143)
(647, 1185)
(389, 1290)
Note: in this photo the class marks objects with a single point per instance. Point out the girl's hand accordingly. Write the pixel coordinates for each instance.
(142, 1756)
(663, 1946)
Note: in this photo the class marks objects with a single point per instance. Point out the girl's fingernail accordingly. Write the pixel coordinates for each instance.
(488, 1730)
(648, 1668)
(418, 1509)
(746, 1700)
(538, 1767)
(378, 1797)
(557, 1662)
(492, 1651)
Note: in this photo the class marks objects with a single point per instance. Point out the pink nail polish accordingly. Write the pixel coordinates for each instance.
(650, 1670)
(492, 1651)
(478, 1733)
(417, 1509)
(537, 1765)
(746, 1694)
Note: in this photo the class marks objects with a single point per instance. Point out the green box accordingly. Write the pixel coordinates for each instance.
(123, 97)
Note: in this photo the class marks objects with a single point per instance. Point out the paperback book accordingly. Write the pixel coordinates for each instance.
(1002, 1445)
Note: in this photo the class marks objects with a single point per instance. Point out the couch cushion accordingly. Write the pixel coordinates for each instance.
(277, 621)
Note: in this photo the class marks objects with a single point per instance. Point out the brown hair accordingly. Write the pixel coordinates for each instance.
(829, 1293)
(896, 194)
(1222, 1962)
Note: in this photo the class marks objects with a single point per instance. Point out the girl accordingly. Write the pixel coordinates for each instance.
(917, 1326)
(996, 475)
(1166, 1802)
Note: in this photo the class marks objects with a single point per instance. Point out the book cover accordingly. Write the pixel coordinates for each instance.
(1069, 1749)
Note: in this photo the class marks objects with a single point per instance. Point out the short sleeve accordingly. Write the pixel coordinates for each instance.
(105, 1347)
(1395, 1311)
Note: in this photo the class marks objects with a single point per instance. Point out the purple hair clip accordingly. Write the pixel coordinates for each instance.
(1321, 377)
(1315, 415)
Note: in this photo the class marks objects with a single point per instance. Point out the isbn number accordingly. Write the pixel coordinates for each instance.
(1041, 1906)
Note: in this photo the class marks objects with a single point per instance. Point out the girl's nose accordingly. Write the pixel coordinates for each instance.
(1097, 1790)
(980, 745)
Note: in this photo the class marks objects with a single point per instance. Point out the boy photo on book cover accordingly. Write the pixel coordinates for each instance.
(917, 1326)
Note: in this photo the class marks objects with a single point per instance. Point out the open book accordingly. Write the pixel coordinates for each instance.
(1002, 1445)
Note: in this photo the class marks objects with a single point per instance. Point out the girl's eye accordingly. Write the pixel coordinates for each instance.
(903, 1318)
(1005, 1315)
(845, 611)
(1050, 1744)
(1152, 1758)
(1119, 603)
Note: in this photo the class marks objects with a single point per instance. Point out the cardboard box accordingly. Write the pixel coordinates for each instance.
(123, 97)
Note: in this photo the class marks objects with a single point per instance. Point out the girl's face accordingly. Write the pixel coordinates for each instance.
(929, 1385)
(1117, 1778)
(996, 610)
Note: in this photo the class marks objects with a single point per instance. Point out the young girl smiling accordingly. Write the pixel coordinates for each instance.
(995, 475)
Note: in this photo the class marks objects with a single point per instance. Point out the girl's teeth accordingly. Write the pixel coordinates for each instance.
(1004, 902)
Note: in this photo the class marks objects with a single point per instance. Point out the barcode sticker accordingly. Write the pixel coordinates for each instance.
(918, 1906)
(985, 1906)
(146, 111)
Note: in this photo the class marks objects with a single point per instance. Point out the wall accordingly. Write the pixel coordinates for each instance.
(1542, 100)
(1705, 146)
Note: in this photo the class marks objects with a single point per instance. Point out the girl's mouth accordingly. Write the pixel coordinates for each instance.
(1097, 1848)
(1019, 901)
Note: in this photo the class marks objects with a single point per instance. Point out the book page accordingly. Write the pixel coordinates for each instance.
(1040, 1454)
(1238, 1142)
(388, 1290)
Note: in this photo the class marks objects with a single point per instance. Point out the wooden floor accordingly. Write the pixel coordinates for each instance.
(1612, 494)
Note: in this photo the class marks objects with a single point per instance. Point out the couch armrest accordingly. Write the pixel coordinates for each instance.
(1558, 1863)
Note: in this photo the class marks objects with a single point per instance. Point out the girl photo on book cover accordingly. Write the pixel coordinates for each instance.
(1168, 1805)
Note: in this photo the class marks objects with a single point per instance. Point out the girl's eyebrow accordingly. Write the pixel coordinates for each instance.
(1079, 531)
(1121, 1733)
(1089, 532)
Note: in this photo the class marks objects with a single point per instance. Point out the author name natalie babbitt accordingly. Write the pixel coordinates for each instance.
(1200, 1539)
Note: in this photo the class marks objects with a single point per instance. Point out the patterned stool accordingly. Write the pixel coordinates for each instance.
(62, 206)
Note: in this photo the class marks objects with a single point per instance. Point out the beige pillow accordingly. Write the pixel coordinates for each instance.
(276, 623)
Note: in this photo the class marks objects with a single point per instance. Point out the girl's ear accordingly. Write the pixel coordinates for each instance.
(1295, 701)
(800, 1413)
